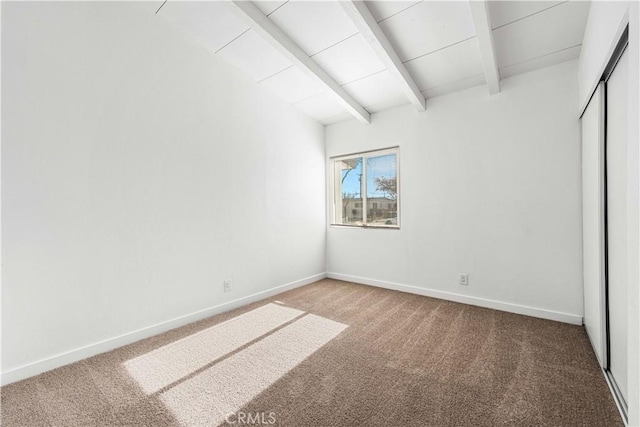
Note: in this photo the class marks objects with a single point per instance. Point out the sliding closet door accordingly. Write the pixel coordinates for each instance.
(616, 147)
(593, 223)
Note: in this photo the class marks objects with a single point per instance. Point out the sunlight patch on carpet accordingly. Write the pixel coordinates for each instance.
(172, 362)
(225, 387)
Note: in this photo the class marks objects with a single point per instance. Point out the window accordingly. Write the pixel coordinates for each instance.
(365, 189)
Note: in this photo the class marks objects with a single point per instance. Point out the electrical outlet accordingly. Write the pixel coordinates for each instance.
(464, 279)
(227, 285)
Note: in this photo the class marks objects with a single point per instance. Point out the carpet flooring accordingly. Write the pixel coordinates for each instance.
(332, 354)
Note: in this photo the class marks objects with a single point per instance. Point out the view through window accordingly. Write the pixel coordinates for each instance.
(365, 189)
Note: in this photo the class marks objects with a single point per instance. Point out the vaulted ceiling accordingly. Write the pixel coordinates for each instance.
(337, 60)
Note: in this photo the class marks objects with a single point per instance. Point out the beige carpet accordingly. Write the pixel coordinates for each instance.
(332, 354)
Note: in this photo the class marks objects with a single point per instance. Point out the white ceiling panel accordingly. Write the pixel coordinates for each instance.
(253, 55)
(455, 86)
(335, 119)
(504, 12)
(554, 29)
(314, 25)
(349, 60)
(376, 89)
(293, 85)
(268, 7)
(456, 62)
(211, 23)
(321, 106)
(429, 26)
(384, 9)
(541, 62)
(390, 103)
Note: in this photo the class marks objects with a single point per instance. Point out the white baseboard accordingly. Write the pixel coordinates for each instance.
(465, 299)
(49, 363)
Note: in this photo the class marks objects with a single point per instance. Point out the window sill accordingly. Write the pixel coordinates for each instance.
(377, 227)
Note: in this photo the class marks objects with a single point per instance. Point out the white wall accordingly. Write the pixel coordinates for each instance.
(606, 22)
(490, 186)
(138, 172)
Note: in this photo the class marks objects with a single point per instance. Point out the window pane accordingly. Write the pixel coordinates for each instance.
(382, 190)
(348, 191)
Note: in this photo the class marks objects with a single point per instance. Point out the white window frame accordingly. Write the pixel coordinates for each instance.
(332, 186)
